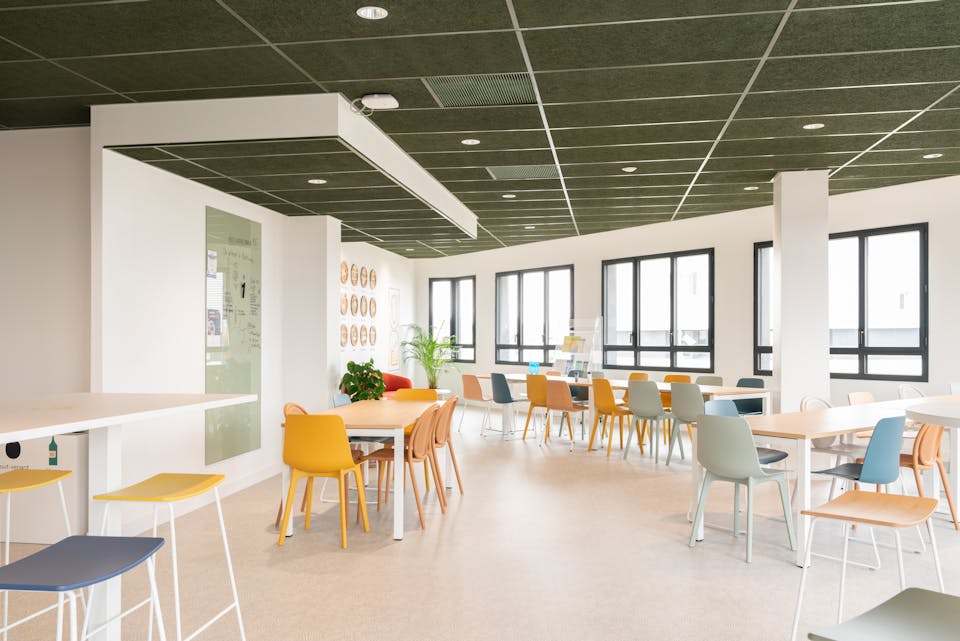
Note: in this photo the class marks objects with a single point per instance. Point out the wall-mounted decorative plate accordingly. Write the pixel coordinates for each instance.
(363, 334)
(373, 279)
(373, 335)
(363, 276)
(344, 272)
(344, 336)
(354, 304)
(344, 303)
(373, 307)
(363, 305)
(354, 274)
(354, 335)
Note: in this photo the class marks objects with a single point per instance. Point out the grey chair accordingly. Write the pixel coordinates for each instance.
(644, 401)
(912, 614)
(687, 405)
(724, 407)
(727, 453)
(709, 379)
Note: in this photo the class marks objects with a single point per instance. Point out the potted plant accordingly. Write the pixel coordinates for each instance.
(362, 381)
(430, 350)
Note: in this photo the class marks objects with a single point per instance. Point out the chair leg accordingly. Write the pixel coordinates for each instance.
(526, 425)
(416, 494)
(610, 435)
(936, 553)
(342, 486)
(381, 468)
(307, 505)
(176, 578)
(946, 490)
(361, 497)
(295, 476)
(749, 520)
(437, 478)
(674, 435)
(230, 574)
(593, 431)
(388, 477)
(621, 431)
(903, 578)
(787, 512)
(463, 413)
(155, 594)
(698, 519)
(843, 570)
(736, 510)
(426, 476)
(456, 468)
(633, 422)
(803, 578)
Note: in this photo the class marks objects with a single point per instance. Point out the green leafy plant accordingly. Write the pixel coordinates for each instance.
(434, 353)
(362, 381)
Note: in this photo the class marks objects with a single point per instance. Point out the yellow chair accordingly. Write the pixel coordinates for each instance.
(606, 406)
(415, 394)
(169, 489)
(537, 395)
(316, 445)
(667, 402)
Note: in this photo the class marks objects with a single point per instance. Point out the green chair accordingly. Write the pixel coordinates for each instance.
(912, 614)
(687, 405)
(726, 451)
(725, 407)
(644, 401)
(708, 379)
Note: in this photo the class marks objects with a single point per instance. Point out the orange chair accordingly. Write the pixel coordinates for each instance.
(634, 376)
(473, 393)
(927, 452)
(559, 399)
(537, 396)
(553, 372)
(667, 401)
(316, 445)
(606, 406)
(288, 410)
(442, 440)
(417, 449)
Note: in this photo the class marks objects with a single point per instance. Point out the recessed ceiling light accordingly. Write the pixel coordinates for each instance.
(317, 181)
(509, 196)
(408, 249)
(751, 188)
(814, 125)
(529, 226)
(932, 156)
(372, 13)
(469, 141)
(628, 170)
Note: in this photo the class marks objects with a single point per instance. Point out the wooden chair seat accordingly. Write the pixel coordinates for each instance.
(871, 508)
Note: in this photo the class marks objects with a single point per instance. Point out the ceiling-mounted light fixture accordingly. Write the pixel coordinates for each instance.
(470, 141)
(372, 13)
(529, 226)
(814, 125)
(408, 249)
(317, 181)
(628, 170)
(508, 196)
(751, 188)
(931, 156)
(379, 101)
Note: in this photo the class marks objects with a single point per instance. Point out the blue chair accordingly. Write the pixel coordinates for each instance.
(726, 407)
(78, 562)
(750, 405)
(881, 462)
(502, 395)
(340, 399)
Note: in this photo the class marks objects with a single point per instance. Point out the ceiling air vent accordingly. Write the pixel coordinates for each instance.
(482, 90)
(519, 172)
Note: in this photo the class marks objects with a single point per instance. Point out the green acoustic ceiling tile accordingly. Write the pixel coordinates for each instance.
(924, 140)
(183, 168)
(580, 194)
(224, 184)
(603, 213)
(484, 158)
(832, 125)
(410, 93)
(292, 164)
(936, 119)
(893, 67)
(124, 27)
(414, 57)
(288, 210)
(542, 13)
(780, 163)
(636, 134)
(839, 101)
(795, 145)
(522, 207)
(743, 199)
(143, 153)
(348, 235)
(630, 153)
(489, 140)
(645, 82)
(644, 167)
(640, 111)
(444, 174)
(950, 102)
(482, 188)
(641, 202)
(718, 38)
(630, 180)
(847, 186)
(257, 148)
(295, 20)
(52, 112)
(12, 52)
(910, 156)
(814, 4)
(735, 177)
(189, 70)
(870, 168)
(710, 189)
(887, 26)
(462, 119)
(357, 196)
(37, 78)
(372, 179)
(248, 91)
(260, 198)
(488, 198)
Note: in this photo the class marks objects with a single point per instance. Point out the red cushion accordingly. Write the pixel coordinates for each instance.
(394, 382)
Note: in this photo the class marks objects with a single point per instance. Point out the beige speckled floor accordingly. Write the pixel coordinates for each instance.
(546, 545)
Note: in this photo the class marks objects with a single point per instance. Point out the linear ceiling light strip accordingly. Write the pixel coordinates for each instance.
(543, 113)
(736, 107)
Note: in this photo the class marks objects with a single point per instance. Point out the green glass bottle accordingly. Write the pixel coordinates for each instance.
(53, 451)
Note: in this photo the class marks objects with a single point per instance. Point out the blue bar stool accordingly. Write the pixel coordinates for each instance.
(77, 562)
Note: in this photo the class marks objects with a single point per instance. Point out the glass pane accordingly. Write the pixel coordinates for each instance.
(551, 357)
(618, 304)
(692, 296)
(654, 359)
(532, 356)
(561, 310)
(844, 364)
(766, 362)
(467, 354)
(764, 293)
(899, 365)
(464, 328)
(532, 308)
(507, 355)
(508, 310)
(844, 288)
(440, 301)
(693, 360)
(620, 358)
(893, 290)
(655, 302)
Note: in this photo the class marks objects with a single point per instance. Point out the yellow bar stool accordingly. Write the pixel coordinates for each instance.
(169, 489)
(21, 481)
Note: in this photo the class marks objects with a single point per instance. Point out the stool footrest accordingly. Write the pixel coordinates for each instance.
(215, 618)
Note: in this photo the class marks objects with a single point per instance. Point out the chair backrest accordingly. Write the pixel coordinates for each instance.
(881, 462)
(750, 405)
(926, 449)
(644, 399)
(292, 408)
(393, 382)
(558, 396)
(340, 399)
(472, 391)
(720, 407)
(316, 443)
(553, 372)
(672, 378)
(909, 391)
(415, 394)
(444, 419)
(501, 389)
(859, 398)
(603, 396)
(634, 376)
(537, 389)
(597, 374)
(687, 401)
(423, 434)
(709, 379)
(725, 447)
(955, 388)
(810, 404)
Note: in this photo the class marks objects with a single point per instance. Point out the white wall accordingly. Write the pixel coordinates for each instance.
(732, 235)
(44, 261)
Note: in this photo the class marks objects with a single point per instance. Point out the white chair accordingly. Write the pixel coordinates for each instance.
(909, 391)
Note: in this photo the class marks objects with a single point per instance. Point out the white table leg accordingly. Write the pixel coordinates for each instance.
(105, 473)
(803, 496)
(284, 488)
(953, 463)
(765, 398)
(398, 483)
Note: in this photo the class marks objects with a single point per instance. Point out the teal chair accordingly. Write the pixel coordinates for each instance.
(726, 407)
(645, 404)
(503, 395)
(726, 451)
(687, 405)
(750, 405)
(881, 462)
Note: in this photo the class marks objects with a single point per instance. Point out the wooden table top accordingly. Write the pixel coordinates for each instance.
(387, 414)
(622, 383)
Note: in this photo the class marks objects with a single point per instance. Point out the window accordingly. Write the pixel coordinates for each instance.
(452, 312)
(658, 312)
(877, 304)
(534, 310)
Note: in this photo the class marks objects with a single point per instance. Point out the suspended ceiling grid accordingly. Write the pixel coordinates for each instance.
(706, 98)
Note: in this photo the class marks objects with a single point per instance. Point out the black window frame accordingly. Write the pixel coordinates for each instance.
(635, 347)
(758, 349)
(519, 273)
(862, 351)
(454, 307)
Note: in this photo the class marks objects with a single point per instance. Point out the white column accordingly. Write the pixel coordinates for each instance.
(311, 317)
(800, 294)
